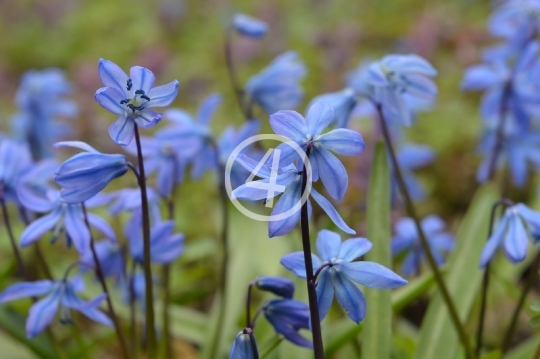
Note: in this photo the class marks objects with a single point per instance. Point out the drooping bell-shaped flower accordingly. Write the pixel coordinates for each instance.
(249, 26)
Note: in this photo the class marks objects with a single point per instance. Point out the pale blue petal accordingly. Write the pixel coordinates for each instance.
(76, 228)
(101, 225)
(325, 292)
(515, 243)
(142, 78)
(411, 264)
(109, 98)
(287, 154)
(147, 118)
(40, 226)
(113, 76)
(432, 224)
(208, 108)
(41, 314)
(289, 124)
(250, 165)
(328, 244)
(319, 117)
(494, 242)
(76, 144)
(122, 130)
(353, 248)
(518, 165)
(288, 200)
(26, 289)
(343, 141)
(242, 347)
(406, 228)
(331, 212)
(249, 26)
(349, 297)
(331, 171)
(295, 263)
(372, 275)
(164, 95)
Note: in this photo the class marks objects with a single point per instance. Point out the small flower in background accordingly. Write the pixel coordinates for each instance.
(288, 316)
(396, 75)
(165, 245)
(132, 98)
(338, 273)
(60, 295)
(110, 258)
(139, 289)
(277, 86)
(279, 286)
(84, 175)
(243, 345)
(290, 178)
(42, 101)
(15, 158)
(249, 26)
(512, 233)
(129, 200)
(307, 133)
(412, 157)
(407, 240)
(342, 102)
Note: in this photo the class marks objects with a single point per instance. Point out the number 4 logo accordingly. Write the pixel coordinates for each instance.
(271, 187)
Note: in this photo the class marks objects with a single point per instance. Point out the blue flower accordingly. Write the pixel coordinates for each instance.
(132, 98)
(412, 157)
(276, 87)
(41, 100)
(407, 240)
(110, 258)
(60, 294)
(15, 158)
(288, 316)
(342, 102)
(249, 26)
(338, 272)
(86, 174)
(242, 347)
(290, 178)
(511, 233)
(129, 200)
(516, 20)
(165, 245)
(396, 75)
(279, 286)
(61, 217)
(307, 133)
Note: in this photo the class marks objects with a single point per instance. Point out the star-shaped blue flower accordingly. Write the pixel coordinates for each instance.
(338, 273)
(60, 294)
(132, 97)
(288, 316)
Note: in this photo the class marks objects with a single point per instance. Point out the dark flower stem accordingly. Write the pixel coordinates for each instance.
(531, 278)
(318, 349)
(253, 343)
(238, 91)
(132, 310)
(485, 279)
(248, 305)
(423, 240)
(149, 296)
(101, 278)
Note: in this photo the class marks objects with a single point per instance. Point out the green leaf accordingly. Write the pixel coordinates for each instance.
(525, 350)
(377, 337)
(438, 337)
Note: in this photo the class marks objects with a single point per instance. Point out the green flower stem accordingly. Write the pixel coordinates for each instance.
(423, 240)
(318, 349)
(531, 278)
(149, 295)
(101, 277)
(238, 91)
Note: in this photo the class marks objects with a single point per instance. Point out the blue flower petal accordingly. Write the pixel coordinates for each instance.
(349, 297)
(283, 287)
(113, 76)
(101, 225)
(515, 243)
(353, 248)
(319, 117)
(325, 292)
(263, 172)
(109, 98)
(208, 108)
(343, 141)
(242, 347)
(76, 144)
(494, 242)
(288, 200)
(518, 165)
(26, 289)
(164, 95)
(295, 263)
(147, 118)
(401, 244)
(411, 263)
(289, 124)
(249, 26)
(89, 309)
(328, 244)
(122, 130)
(406, 228)
(142, 78)
(76, 228)
(432, 224)
(41, 314)
(372, 275)
(331, 212)
(331, 171)
(40, 226)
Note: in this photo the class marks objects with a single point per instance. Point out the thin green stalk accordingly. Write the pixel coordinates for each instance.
(238, 91)
(149, 295)
(272, 347)
(101, 277)
(531, 278)
(133, 311)
(423, 240)
(318, 349)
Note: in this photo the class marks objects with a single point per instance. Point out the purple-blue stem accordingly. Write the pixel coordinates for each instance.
(149, 295)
